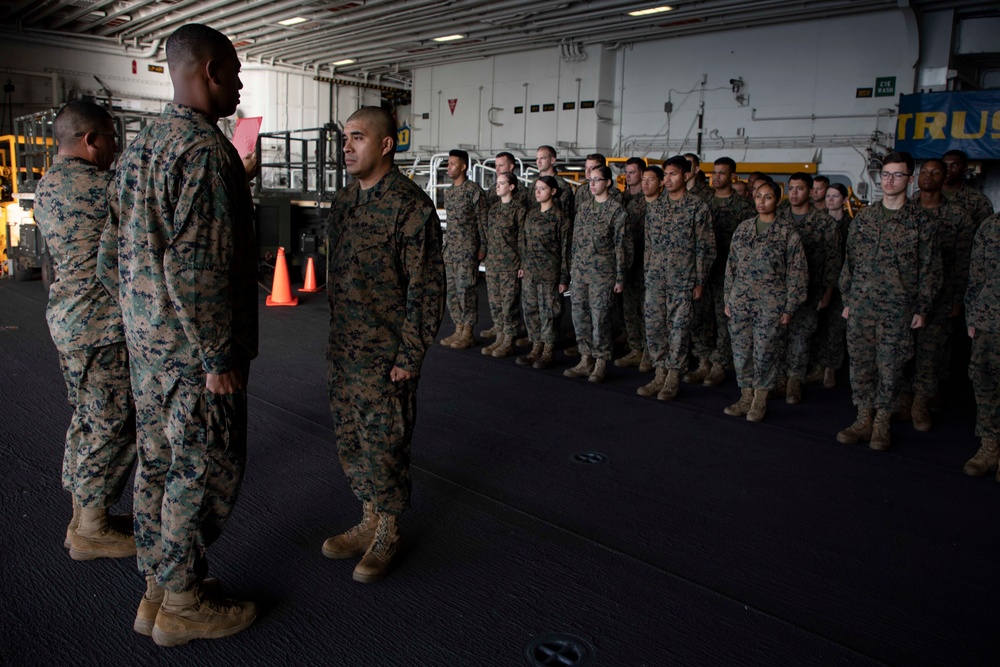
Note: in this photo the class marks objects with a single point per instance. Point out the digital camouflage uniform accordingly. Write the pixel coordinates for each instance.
(953, 245)
(635, 279)
(767, 276)
(830, 340)
(502, 259)
(386, 289)
(710, 327)
(702, 191)
(679, 251)
(71, 208)
(889, 275)
(466, 206)
(818, 233)
(544, 249)
(598, 264)
(181, 236)
(523, 194)
(583, 196)
(566, 201)
(976, 204)
(982, 311)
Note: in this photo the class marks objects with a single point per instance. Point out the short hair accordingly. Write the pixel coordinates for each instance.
(606, 172)
(460, 154)
(841, 188)
(77, 118)
(935, 159)
(194, 43)
(511, 179)
(508, 156)
(802, 176)
(756, 175)
(693, 156)
(678, 161)
(727, 161)
(552, 151)
(656, 171)
(381, 121)
(552, 183)
(637, 161)
(902, 157)
(961, 155)
(769, 182)
(821, 179)
(597, 157)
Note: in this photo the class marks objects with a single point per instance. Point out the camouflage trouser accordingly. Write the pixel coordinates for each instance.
(723, 352)
(668, 327)
(463, 298)
(984, 371)
(703, 325)
(100, 440)
(541, 303)
(502, 288)
(930, 353)
(373, 424)
(831, 334)
(758, 343)
(879, 344)
(192, 454)
(799, 337)
(592, 304)
(632, 304)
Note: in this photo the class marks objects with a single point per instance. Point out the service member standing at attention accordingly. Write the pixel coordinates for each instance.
(465, 204)
(710, 330)
(766, 282)
(85, 321)
(697, 183)
(956, 190)
(545, 161)
(982, 317)
(679, 249)
(635, 240)
(818, 232)
(503, 262)
(386, 290)
(817, 193)
(889, 281)
(506, 163)
(181, 236)
(583, 193)
(598, 272)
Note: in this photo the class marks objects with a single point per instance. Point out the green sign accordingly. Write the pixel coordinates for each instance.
(885, 86)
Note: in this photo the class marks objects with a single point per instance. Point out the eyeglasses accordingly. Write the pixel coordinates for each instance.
(893, 175)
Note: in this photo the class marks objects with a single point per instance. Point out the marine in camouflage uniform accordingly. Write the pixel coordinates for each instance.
(982, 317)
(767, 276)
(679, 252)
(635, 279)
(181, 237)
(85, 323)
(976, 204)
(500, 236)
(544, 246)
(465, 205)
(598, 264)
(830, 339)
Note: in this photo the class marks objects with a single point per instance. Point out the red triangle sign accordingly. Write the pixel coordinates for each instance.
(452, 104)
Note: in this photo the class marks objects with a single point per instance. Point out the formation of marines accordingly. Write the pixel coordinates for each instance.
(154, 309)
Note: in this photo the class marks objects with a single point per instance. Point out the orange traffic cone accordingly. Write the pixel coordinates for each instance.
(281, 291)
(310, 285)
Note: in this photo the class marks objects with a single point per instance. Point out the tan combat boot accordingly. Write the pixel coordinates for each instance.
(758, 408)
(655, 385)
(545, 358)
(829, 377)
(793, 391)
(716, 376)
(531, 357)
(600, 368)
(523, 341)
(880, 431)
(984, 460)
(378, 558)
(448, 340)
(742, 406)
(671, 385)
(698, 375)
(861, 429)
(488, 333)
(646, 365)
(149, 605)
(488, 349)
(74, 522)
(194, 614)
(505, 347)
(356, 540)
(813, 376)
(582, 369)
(630, 360)
(464, 339)
(572, 351)
(920, 412)
(94, 538)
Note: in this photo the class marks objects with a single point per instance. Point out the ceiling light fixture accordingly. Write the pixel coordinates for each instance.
(293, 21)
(651, 10)
(345, 61)
(449, 38)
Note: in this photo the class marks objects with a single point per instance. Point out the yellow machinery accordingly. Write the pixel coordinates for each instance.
(15, 218)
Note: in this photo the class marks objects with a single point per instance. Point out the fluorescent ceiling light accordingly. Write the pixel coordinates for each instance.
(449, 38)
(294, 21)
(651, 10)
(345, 61)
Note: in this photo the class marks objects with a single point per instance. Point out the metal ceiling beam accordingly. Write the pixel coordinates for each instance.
(83, 11)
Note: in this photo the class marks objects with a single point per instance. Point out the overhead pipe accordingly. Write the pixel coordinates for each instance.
(132, 26)
(226, 9)
(80, 13)
(885, 111)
